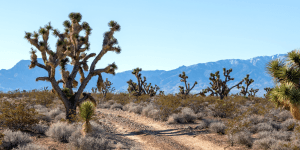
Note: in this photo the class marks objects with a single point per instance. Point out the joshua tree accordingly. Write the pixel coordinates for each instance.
(244, 90)
(254, 92)
(161, 93)
(287, 93)
(267, 89)
(187, 87)
(106, 88)
(45, 89)
(69, 45)
(94, 90)
(141, 87)
(218, 87)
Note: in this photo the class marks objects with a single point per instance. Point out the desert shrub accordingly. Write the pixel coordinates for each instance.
(145, 111)
(18, 117)
(44, 117)
(154, 113)
(140, 99)
(121, 98)
(91, 140)
(14, 139)
(264, 127)
(264, 143)
(296, 134)
(104, 106)
(187, 115)
(164, 113)
(224, 108)
(136, 109)
(39, 107)
(1, 138)
(40, 128)
(110, 102)
(289, 125)
(284, 115)
(278, 135)
(200, 115)
(243, 122)
(282, 135)
(116, 106)
(60, 131)
(217, 127)
(243, 137)
(129, 105)
(283, 145)
(203, 124)
(254, 119)
(42, 98)
(108, 97)
(168, 101)
(88, 143)
(275, 125)
(53, 113)
(31, 146)
(60, 117)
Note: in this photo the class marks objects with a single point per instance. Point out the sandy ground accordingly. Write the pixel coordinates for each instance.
(157, 135)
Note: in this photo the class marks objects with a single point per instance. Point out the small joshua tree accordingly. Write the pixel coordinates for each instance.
(106, 88)
(87, 109)
(94, 90)
(287, 93)
(268, 90)
(252, 92)
(69, 45)
(141, 87)
(186, 92)
(244, 90)
(219, 87)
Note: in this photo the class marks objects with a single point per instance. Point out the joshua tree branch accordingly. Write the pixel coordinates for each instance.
(42, 79)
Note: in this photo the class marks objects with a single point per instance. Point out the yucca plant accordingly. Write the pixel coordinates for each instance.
(87, 110)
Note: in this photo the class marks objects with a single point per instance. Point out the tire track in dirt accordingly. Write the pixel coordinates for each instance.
(140, 133)
(154, 134)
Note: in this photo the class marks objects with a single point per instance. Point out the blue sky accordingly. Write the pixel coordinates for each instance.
(159, 34)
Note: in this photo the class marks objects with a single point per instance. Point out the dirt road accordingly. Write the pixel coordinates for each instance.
(153, 135)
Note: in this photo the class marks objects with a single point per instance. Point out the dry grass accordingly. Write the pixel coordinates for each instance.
(241, 117)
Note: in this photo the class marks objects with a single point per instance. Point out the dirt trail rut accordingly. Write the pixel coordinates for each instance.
(153, 135)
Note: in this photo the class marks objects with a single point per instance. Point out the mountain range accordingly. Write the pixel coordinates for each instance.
(22, 78)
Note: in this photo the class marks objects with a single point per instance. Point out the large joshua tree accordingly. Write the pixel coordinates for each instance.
(286, 94)
(69, 45)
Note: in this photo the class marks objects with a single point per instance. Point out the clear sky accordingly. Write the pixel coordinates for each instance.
(159, 34)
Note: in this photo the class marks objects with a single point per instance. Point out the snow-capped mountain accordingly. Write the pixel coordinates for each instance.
(21, 77)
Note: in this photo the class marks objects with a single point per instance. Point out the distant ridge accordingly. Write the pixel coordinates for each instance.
(21, 77)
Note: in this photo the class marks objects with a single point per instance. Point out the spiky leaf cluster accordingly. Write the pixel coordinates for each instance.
(287, 93)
